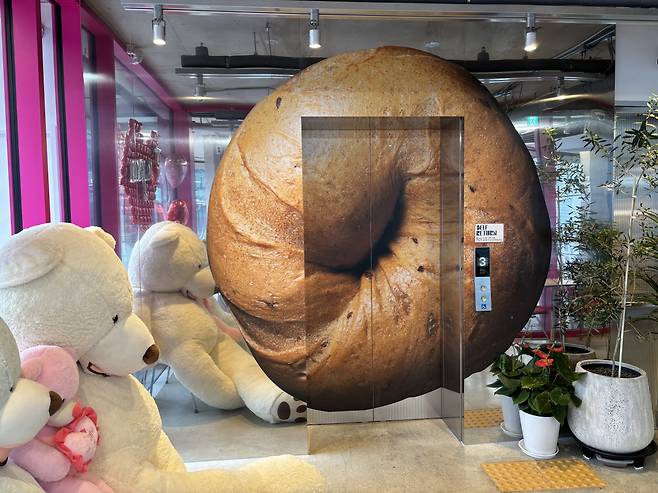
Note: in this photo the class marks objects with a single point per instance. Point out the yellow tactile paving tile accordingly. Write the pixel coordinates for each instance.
(531, 475)
(482, 418)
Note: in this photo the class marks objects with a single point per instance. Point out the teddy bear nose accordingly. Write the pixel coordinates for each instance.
(55, 403)
(151, 355)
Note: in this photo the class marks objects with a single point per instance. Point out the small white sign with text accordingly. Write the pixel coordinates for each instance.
(489, 233)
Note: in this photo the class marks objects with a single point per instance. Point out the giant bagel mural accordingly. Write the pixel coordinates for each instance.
(290, 240)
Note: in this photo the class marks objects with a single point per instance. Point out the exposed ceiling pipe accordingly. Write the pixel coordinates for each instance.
(607, 32)
(588, 43)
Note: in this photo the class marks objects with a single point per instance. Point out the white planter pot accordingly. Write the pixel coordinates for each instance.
(511, 420)
(616, 414)
(540, 434)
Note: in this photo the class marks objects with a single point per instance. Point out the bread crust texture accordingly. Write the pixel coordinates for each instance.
(327, 245)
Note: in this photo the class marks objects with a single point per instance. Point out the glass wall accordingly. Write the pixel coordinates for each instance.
(50, 88)
(135, 101)
(210, 137)
(91, 117)
(5, 196)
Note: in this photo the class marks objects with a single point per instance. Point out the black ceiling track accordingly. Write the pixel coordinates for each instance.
(300, 63)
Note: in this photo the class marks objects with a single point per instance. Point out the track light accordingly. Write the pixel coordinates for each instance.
(200, 87)
(159, 26)
(314, 30)
(530, 33)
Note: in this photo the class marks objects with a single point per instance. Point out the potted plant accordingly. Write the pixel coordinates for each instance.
(507, 368)
(616, 414)
(545, 389)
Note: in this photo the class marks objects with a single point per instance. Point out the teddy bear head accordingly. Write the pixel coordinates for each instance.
(170, 257)
(25, 406)
(63, 285)
(53, 367)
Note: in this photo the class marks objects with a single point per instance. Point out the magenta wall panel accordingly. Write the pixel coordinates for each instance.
(30, 112)
(74, 98)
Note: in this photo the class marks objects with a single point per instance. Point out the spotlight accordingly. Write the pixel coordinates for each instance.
(159, 26)
(314, 30)
(530, 34)
(200, 87)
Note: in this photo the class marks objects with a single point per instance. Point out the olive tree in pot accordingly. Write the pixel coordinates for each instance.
(616, 414)
(567, 177)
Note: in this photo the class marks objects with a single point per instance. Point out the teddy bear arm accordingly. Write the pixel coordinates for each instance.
(76, 484)
(165, 455)
(42, 461)
(197, 371)
(13, 479)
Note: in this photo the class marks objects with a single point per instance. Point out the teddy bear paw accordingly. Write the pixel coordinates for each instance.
(287, 409)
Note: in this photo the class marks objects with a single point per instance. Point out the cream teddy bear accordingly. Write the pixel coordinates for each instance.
(169, 271)
(25, 407)
(63, 285)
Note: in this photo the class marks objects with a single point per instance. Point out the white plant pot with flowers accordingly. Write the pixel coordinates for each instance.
(540, 381)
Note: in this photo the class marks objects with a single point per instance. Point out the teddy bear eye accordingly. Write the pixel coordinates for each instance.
(199, 266)
(115, 318)
(11, 389)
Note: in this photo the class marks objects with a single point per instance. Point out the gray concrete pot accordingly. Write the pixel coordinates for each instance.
(574, 351)
(578, 352)
(616, 414)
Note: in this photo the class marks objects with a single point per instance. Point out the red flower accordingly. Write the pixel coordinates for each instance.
(540, 353)
(543, 363)
(558, 349)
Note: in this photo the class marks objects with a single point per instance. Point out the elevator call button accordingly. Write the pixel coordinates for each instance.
(482, 279)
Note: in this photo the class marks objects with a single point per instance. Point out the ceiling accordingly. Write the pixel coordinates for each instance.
(243, 34)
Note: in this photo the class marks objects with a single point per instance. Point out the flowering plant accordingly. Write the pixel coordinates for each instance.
(538, 379)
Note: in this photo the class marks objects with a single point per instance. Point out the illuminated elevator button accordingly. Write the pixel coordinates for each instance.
(483, 299)
(483, 287)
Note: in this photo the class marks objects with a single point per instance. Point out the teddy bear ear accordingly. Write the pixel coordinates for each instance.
(164, 237)
(103, 235)
(32, 368)
(26, 258)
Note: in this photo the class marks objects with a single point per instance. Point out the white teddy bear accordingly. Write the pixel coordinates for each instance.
(63, 285)
(173, 284)
(25, 408)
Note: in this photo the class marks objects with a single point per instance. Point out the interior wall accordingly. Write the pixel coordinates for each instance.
(636, 69)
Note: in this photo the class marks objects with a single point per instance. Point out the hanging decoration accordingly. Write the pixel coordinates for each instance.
(175, 169)
(178, 212)
(139, 172)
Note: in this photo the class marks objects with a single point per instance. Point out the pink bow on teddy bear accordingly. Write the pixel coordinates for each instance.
(58, 457)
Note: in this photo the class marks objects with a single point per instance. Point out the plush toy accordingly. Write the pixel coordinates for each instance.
(25, 407)
(63, 285)
(60, 454)
(169, 270)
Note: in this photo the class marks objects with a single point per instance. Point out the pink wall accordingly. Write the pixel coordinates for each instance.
(74, 97)
(30, 112)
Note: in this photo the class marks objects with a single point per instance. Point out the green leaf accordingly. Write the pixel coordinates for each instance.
(495, 385)
(506, 391)
(576, 400)
(541, 403)
(559, 397)
(521, 397)
(533, 381)
(560, 413)
(510, 383)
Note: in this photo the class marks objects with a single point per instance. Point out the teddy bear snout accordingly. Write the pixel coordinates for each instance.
(152, 354)
(55, 403)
